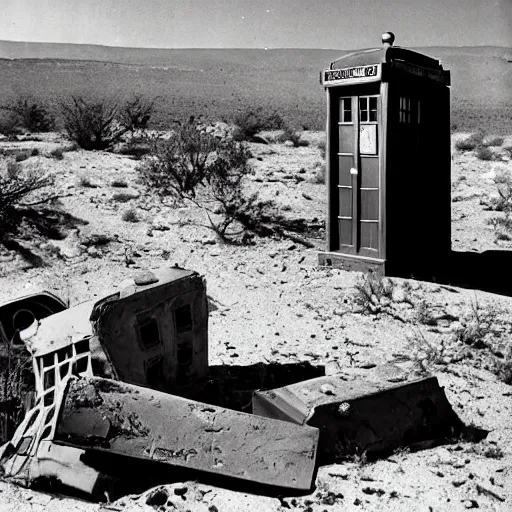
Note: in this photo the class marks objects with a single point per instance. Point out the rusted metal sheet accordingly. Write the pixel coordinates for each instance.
(108, 416)
(361, 416)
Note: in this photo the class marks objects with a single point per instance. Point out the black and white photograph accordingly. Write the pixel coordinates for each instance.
(255, 255)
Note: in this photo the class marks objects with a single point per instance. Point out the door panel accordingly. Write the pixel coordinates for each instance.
(369, 170)
(370, 205)
(345, 164)
(369, 235)
(345, 227)
(346, 138)
(345, 202)
(358, 175)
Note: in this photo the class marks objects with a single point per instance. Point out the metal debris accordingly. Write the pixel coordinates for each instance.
(361, 416)
(113, 417)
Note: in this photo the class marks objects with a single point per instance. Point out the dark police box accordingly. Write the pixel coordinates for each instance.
(388, 160)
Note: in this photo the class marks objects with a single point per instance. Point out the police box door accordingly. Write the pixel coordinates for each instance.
(358, 175)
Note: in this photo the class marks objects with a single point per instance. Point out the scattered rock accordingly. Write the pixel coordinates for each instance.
(157, 497)
(145, 278)
(93, 252)
(327, 389)
(180, 491)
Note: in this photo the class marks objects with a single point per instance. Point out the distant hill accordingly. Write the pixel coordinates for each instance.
(217, 82)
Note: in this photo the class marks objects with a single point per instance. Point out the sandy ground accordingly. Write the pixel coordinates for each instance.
(275, 304)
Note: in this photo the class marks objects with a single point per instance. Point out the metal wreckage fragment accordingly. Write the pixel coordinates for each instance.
(363, 416)
(123, 419)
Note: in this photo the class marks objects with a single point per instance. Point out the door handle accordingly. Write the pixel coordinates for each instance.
(353, 171)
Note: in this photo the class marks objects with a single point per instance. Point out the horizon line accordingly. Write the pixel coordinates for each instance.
(239, 48)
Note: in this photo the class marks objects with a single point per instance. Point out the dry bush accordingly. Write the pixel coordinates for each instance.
(322, 146)
(250, 122)
(30, 115)
(101, 124)
(123, 197)
(15, 185)
(226, 187)
(423, 313)
(57, 153)
(504, 369)
(15, 380)
(426, 353)
(193, 165)
(373, 292)
(9, 125)
(494, 142)
(289, 134)
(87, 183)
(177, 166)
(502, 225)
(470, 143)
(484, 153)
(136, 113)
(320, 175)
(130, 216)
(476, 326)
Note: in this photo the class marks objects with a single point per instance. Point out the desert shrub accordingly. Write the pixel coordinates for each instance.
(30, 115)
(484, 153)
(119, 184)
(15, 375)
(425, 352)
(195, 166)
(13, 168)
(504, 370)
(289, 134)
(96, 240)
(9, 125)
(87, 183)
(423, 313)
(476, 326)
(226, 188)
(177, 166)
(130, 215)
(57, 153)
(23, 155)
(123, 198)
(372, 292)
(503, 182)
(503, 203)
(322, 146)
(93, 124)
(251, 122)
(320, 175)
(494, 452)
(494, 142)
(15, 185)
(470, 143)
(136, 112)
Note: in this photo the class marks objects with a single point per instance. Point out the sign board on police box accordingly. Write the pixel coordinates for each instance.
(351, 75)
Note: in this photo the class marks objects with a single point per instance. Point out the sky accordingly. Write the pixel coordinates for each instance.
(336, 24)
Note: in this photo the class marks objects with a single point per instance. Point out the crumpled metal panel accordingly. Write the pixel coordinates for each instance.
(118, 418)
(362, 416)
